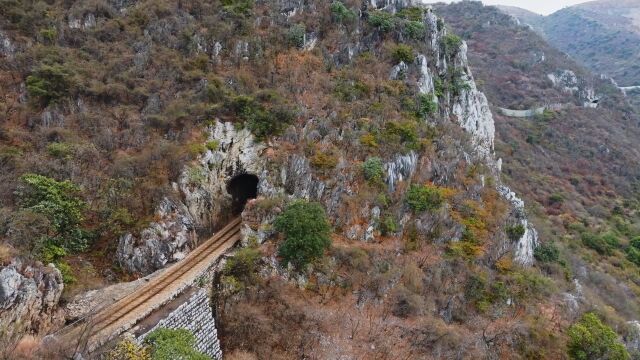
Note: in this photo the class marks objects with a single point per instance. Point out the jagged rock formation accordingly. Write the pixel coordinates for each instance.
(472, 110)
(401, 168)
(570, 83)
(529, 240)
(164, 241)
(29, 295)
(6, 46)
(425, 84)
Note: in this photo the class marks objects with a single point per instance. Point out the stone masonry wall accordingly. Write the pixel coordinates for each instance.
(196, 316)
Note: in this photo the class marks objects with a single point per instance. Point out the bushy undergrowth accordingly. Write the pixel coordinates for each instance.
(306, 231)
(170, 344)
(424, 197)
(589, 338)
(373, 170)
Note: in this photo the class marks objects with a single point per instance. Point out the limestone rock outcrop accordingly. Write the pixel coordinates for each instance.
(6, 46)
(471, 108)
(29, 295)
(164, 241)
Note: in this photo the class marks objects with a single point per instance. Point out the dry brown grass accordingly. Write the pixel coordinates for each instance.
(6, 253)
(241, 355)
(26, 348)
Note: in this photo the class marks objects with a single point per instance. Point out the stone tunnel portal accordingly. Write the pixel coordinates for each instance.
(242, 188)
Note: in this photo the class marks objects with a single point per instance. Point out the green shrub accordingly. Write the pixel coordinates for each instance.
(439, 87)
(482, 295)
(406, 132)
(426, 106)
(475, 287)
(49, 35)
(388, 226)
(414, 30)
(306, 230)
(546, 253)
(451, 43)
(603, 244)
(119, 220)
(382, 20)
(66, 271)
(59, 150)
(243, 264)
(402, 52)
(212, 145)
(341, 13)
(51, 252)
(515, 232)
(369, 140)
(196, 149)
(633, 251)
(49, 83)
(589, 338)
(423, 198)
(373, 170)
(556, 199)
(349, 90)
(413, 13)
(259, 119)
(295, 35)
(170, 344)
(60, 202)
(458, 83)
(238, 7)
(529, 284)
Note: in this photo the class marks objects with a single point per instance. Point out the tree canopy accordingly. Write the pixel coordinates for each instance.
(306, 230)
(590, 338)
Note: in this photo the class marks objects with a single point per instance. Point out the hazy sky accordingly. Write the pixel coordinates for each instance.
(544, 7)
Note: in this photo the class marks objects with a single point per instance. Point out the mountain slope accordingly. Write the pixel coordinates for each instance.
(127, 124)
(577, 167)
(525, 16)
(383, 225)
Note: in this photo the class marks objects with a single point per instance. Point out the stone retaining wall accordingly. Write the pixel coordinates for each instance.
(195, 315)
(535, 111)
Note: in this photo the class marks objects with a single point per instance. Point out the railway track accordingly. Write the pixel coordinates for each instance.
(126, 312)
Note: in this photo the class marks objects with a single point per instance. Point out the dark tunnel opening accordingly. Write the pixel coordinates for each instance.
(242, 188)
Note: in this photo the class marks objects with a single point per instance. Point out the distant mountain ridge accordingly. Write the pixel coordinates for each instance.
(604, 35)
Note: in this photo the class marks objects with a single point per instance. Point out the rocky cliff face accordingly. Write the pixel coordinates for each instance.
(572, 159)
(29, 295)
(471, 108)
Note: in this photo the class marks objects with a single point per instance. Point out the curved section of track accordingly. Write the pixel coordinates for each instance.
(126, 312)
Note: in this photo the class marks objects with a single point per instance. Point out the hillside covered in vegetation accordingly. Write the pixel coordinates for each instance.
(384, 226)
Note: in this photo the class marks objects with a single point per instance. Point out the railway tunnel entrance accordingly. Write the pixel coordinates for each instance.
(242, 188)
